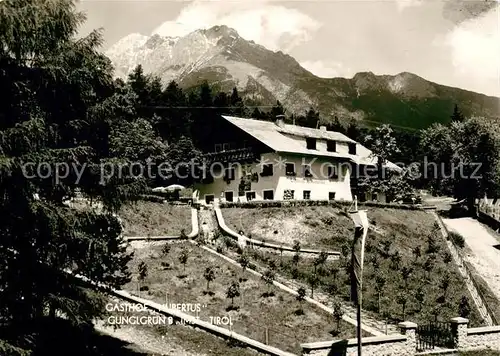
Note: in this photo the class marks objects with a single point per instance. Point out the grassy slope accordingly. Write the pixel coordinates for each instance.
(143, 218)
(403, 229)
(286, 330)
(318, 227)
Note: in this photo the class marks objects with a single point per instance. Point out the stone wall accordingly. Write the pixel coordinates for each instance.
(475, 338)
(404, 344)
(465, 339)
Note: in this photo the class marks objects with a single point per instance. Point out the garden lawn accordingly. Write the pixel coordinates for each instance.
(145, 218)
(407, 261)
(315, 226)
(255, 313)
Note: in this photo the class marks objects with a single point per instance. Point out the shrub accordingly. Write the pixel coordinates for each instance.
(457, 239)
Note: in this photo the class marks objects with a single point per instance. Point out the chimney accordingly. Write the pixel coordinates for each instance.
(322, 128)
(280, 120)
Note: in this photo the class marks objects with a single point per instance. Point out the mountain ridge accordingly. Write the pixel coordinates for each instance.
(226, 60)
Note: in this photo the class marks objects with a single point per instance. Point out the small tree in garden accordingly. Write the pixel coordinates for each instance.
(281, 255)
(402, 299)
(301, 296)
(375, 262)
(244, 261)
(429, 266)
(417, 252)
(464, 309)
(419, 297)
(444, 284)
(338, 313)
(209, 275)
(386, 248)
(233, 291)
(143, 271)
(268, 278)
(165, 249)
(296, 259)
(272, 265)
(313, 282)
(183, 234)
(379, 287)
(405, 274)
(183, 258)
(319, 260)
(296, 246)
(432, 245)
(345, 250)
(396, 260)
(335, 272)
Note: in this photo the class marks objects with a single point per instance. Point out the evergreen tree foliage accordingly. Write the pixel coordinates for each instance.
(58, 103)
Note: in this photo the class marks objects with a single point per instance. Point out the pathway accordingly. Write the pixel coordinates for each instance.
(474, 236)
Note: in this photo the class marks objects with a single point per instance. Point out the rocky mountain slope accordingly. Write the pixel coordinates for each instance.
(220, 56)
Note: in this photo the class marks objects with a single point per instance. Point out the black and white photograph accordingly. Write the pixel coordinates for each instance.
(249, 177)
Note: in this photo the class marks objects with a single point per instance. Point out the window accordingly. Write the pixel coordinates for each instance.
(226, 146)
(268, 194)
(331, 146)
(250, 196)
(374, 197)
(229, 174)
(290, 169)
(218, 147)
(332, 172)
(267, 170)
(307, 170)
(311, 143)
(288, 194)
(331, 196)
(228, 196)
(352, 148)
(306, 194)
(209, 198)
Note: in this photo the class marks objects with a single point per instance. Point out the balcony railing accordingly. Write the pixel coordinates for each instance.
(235, 155)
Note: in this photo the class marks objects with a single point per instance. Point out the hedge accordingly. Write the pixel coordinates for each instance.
(334, 203)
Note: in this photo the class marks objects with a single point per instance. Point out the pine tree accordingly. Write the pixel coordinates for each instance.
(58, 102)
(276, 110)
(457, 114)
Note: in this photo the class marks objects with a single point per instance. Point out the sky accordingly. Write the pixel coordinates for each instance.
(451, 42)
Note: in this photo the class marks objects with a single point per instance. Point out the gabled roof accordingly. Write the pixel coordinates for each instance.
(284, 138)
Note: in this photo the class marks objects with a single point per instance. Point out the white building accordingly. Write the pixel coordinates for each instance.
(263, 160)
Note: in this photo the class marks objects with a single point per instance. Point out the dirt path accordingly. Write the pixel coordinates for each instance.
(485, 258)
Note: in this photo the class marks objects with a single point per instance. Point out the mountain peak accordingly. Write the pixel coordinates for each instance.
(221, 31)
(222, 57)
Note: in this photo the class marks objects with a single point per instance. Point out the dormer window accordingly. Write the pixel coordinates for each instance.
(311, 143)
(331, 146)
(352, 148)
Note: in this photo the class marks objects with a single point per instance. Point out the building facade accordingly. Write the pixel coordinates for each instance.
(263, 160)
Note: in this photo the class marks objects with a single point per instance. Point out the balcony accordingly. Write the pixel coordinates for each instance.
(246, 154)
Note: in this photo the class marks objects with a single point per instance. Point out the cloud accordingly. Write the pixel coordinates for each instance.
(475, 49)
(273, 26)
(327, 69)
(404, 4)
